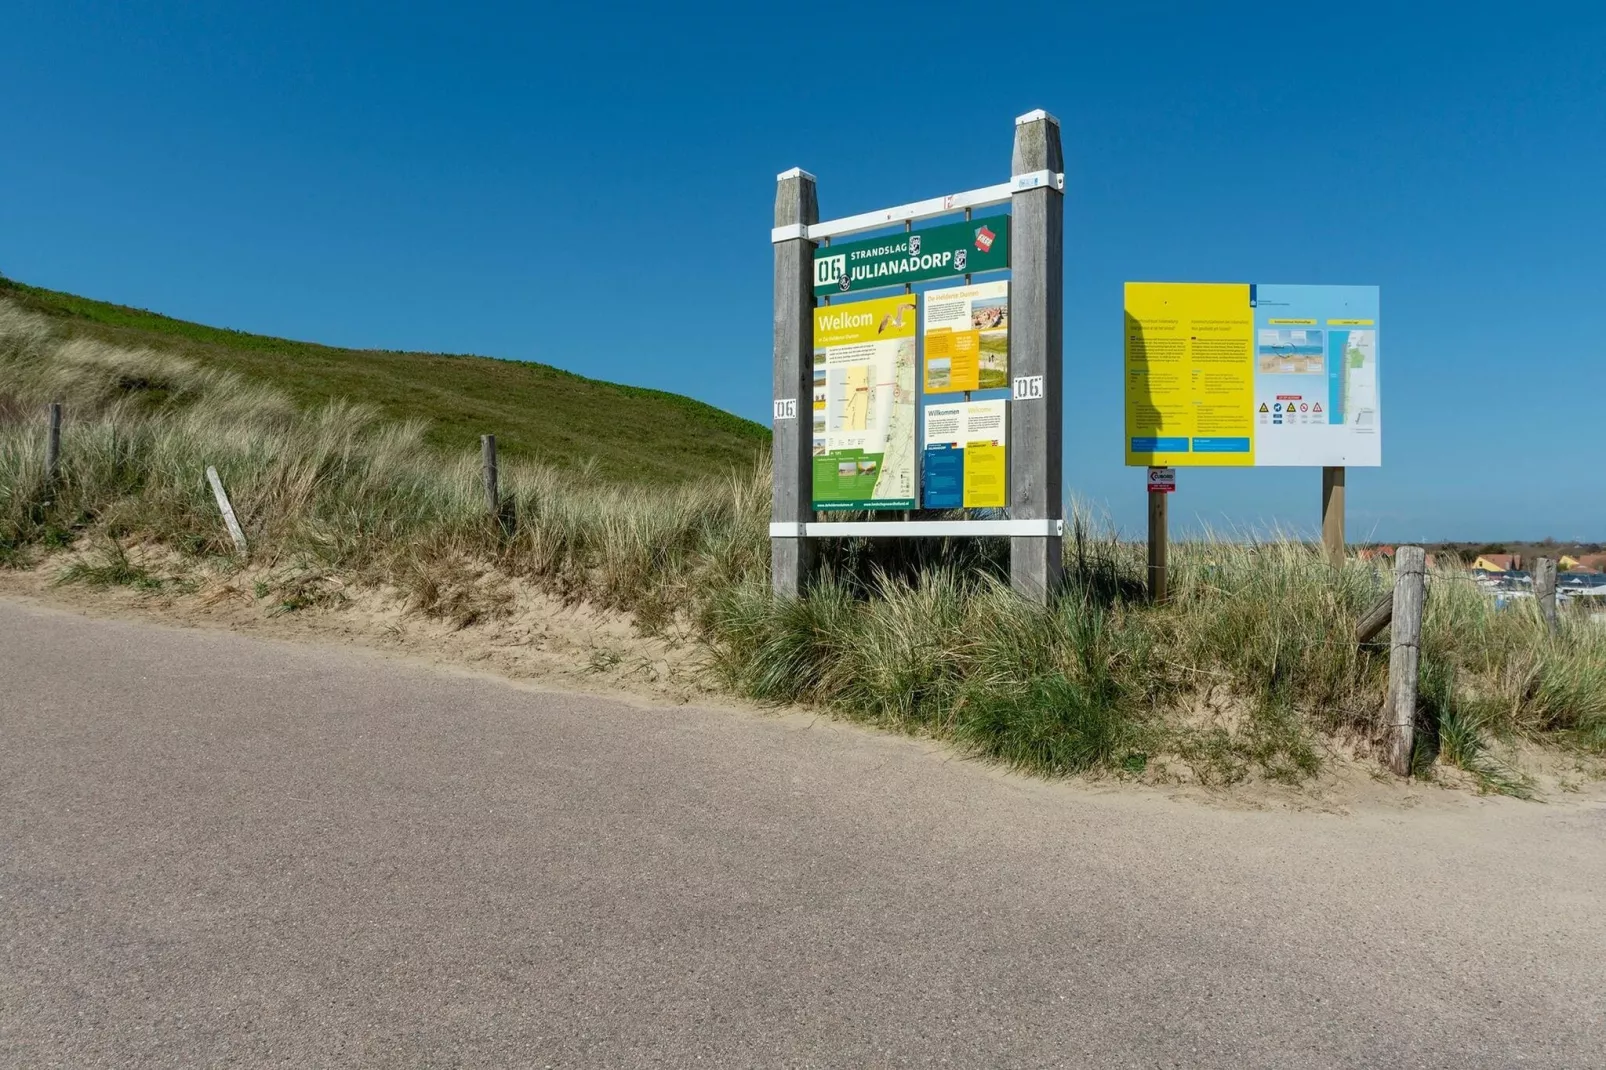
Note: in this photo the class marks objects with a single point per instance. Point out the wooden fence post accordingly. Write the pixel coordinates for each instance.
(1544, 583)
(1405, 649)
(227, 509)
(1036, 339)
(1333, 515)
(791, 454)
(53, 446)
(1159, 545)
(493, 495)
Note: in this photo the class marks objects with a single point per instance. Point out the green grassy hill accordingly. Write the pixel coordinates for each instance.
(535, 410)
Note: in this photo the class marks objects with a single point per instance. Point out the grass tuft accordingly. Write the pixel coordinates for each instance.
(110, 567)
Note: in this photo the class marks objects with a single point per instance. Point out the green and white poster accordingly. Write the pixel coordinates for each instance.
(971, 247)
(864, 404)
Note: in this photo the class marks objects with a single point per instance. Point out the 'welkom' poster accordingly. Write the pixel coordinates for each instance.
(864, 404)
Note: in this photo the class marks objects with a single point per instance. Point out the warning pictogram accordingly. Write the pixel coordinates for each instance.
(1264, 407)
(1318, 407)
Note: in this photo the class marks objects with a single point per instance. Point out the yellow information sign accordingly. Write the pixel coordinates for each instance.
(1190, 374)
(864, 405)
(986, 476)
(1252, 374)
(967, 338)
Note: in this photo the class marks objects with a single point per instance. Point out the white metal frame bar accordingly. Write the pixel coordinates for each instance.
(915, 528)
(909, 213)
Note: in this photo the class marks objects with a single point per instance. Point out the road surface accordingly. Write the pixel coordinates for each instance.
(217, 850)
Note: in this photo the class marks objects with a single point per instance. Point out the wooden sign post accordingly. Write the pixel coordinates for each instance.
(1333, 515)
(791, 472)
(1035, 256)
(1162, 482)
(1036, 338)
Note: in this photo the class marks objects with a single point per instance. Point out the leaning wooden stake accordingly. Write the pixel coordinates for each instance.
(1544, 579)
(227, 509)
(1410, 588)
(493, 495)
(53, 445)
(1375, 619)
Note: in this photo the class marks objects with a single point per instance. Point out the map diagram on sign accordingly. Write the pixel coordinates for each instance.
(898, 464)
(852, 396)
(864, 405)
(1360, 378)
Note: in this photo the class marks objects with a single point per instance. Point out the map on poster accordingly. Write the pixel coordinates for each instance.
(864, 405)
(966, 464)
(1252, 375)
(966, 338)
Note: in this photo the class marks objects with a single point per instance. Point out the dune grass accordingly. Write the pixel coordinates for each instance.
(1249, 672)
(537, 412)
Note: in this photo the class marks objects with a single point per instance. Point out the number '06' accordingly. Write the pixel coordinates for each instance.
(1029, 388)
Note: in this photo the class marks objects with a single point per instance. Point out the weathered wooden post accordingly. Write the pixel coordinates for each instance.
(1544, 582)
(1333, 515)
(1410, 588)
(1036, 338)
(226, 507)
(791, 456)
(493, 494)
(1159, 544)
(53, 446)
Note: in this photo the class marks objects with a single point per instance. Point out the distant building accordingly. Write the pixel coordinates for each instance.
(1583, 563)
(1497, 563)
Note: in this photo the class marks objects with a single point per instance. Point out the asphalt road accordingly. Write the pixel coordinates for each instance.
(217, 850)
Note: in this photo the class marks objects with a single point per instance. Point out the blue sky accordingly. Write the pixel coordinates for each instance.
(591, 185)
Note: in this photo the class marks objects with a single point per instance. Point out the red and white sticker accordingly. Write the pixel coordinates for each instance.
(1162, 480)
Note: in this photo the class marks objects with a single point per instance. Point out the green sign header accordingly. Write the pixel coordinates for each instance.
(973, 246)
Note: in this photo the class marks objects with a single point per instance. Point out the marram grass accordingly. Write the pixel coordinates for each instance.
(1250, 671)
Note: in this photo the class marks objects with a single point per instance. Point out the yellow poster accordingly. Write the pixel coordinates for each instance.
(864, 405)
(986, 477)
(1190, 374)
(967, 338)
